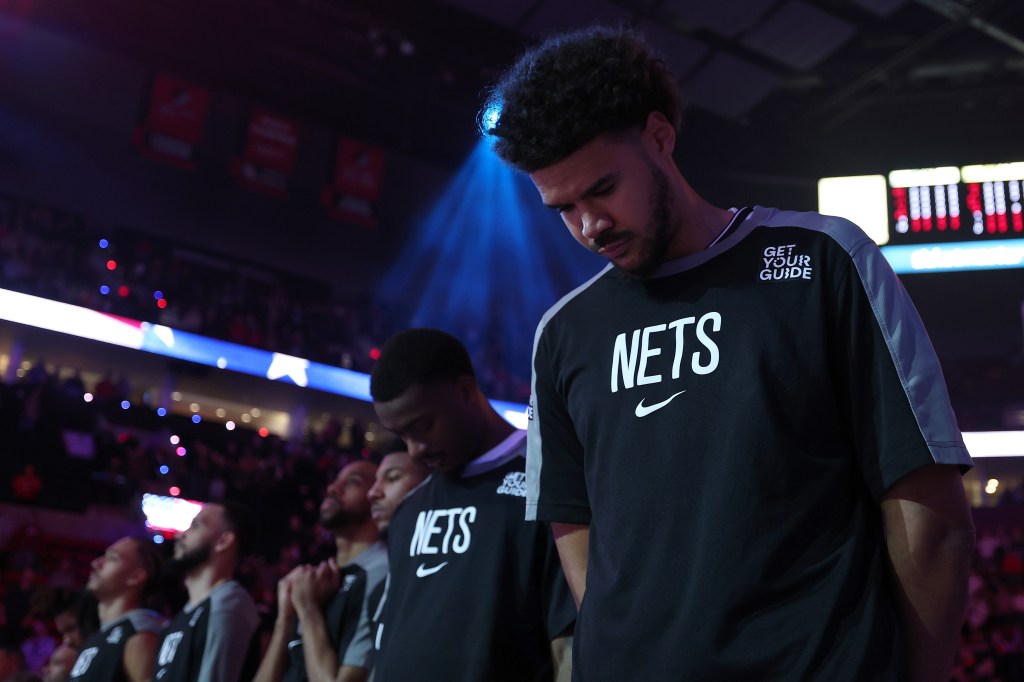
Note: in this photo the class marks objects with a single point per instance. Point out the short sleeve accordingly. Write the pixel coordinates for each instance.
(229, 634)
(892, 383)
(555, 478)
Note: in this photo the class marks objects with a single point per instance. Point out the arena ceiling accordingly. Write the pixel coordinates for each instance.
(860, 81)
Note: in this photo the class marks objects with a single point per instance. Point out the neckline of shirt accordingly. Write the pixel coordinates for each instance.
(737, 227)
(501, 453)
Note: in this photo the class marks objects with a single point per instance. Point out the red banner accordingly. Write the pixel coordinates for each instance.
(174, 121)
(268, 157)
(358, 174)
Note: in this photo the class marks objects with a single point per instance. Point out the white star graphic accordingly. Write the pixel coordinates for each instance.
(294, 368)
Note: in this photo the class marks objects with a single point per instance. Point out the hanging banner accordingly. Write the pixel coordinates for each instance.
(268, 157)
(173, 123)
(358, 171)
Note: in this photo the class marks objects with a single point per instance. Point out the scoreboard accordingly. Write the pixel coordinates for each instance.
(937, 219)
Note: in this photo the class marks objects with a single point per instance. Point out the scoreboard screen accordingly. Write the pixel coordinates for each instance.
(937, 219)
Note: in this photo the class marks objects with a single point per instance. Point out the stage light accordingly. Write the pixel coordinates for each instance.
(164, 469)
(125, 404)
(104, 289)
(485, 235)
(196, 419)
(104, 243)
(111, 264)
(161, 412)
(87, 397)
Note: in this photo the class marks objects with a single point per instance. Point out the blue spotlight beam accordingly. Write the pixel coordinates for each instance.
(487, 258)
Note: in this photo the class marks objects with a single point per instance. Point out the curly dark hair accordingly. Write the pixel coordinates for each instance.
(572, 88)
(418, 356)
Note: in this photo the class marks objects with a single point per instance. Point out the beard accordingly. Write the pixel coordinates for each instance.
(190, 559)
(662, 232)
(343, 518)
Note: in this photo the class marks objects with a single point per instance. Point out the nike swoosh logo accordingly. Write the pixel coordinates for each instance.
(644, 410)
(422, 571)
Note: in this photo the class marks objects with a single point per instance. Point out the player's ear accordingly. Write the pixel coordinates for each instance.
(467, 386)
(137, 577)
(226, 540)
(660, 133)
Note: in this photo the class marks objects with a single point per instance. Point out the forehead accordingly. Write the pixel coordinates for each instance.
(566, 180)
(210, 513)
(410, 404)
(125, 547)
(394, 460)
(359, 471)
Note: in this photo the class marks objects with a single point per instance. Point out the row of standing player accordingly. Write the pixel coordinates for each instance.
(455, 585)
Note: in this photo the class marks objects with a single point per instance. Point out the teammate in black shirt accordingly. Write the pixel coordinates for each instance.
(124, 648)
(397, 474)
(474, 592)
(212, 639)
(323, 630)
(739, 427)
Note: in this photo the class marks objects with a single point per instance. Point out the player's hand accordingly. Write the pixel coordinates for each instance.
(314, 587)
(326, 580)
(285, 608)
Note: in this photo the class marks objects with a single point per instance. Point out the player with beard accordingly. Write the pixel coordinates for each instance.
(213, 638)
(124, 648)
(754, 384)
(322, 631)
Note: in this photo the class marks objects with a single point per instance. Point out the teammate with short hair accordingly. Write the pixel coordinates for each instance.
(739, 428)
(474, 592)
(397, 474)
(213, 638)
(74, 615)
(124, 648)
(323, 629)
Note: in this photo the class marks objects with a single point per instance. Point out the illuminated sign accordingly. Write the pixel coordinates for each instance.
(936, 207)
(153, 338)
(956, 256)
(169, 513)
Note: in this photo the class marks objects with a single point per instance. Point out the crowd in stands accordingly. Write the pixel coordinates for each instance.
(57, 254)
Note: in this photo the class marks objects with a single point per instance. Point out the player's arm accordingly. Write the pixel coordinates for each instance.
(573, 542)
(561, 657)
(929, 534)
(311, 591)
(140, 656)
(351, 673)
(275, 660)
(233, 620)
